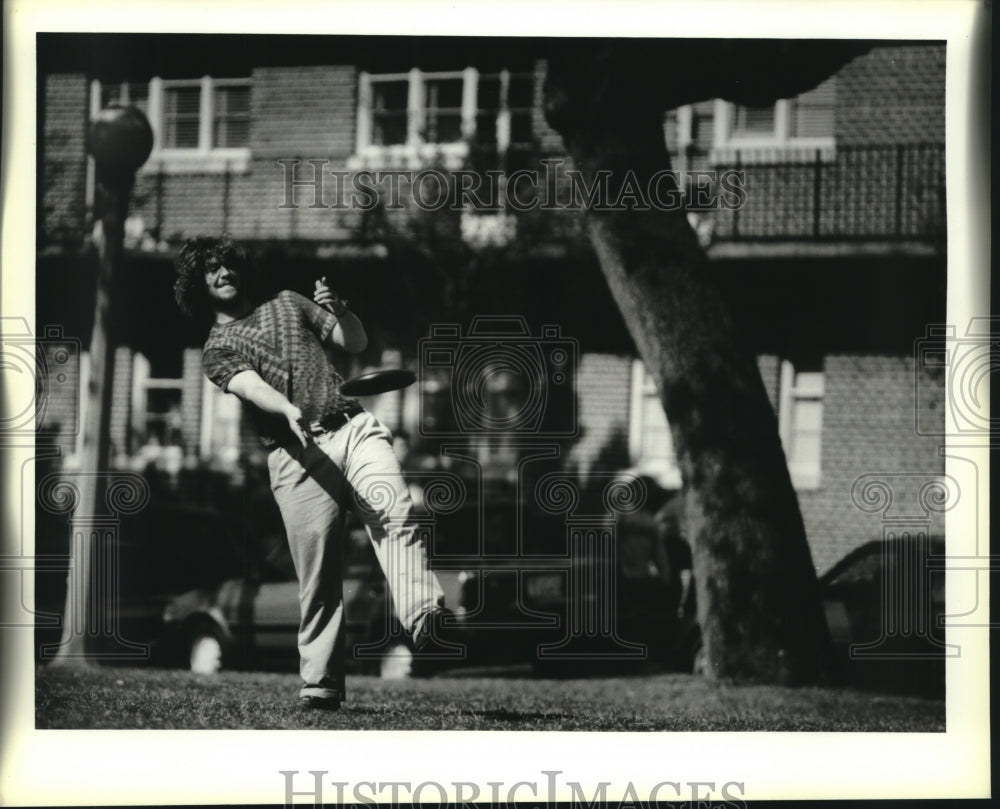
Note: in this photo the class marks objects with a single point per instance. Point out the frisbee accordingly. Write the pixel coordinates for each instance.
(377, 382)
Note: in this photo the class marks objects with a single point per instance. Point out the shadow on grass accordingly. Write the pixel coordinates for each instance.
(505, 715)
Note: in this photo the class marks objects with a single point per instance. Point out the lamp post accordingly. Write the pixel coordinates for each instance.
(120, 140)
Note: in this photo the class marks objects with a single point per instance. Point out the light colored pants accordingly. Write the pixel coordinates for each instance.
(354, 467)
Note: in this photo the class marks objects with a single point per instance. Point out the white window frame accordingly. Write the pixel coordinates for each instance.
(74, 456)
(805, 475)
(683, 127)
(682, 136)
(212, 396)
(142, 384)
(203, 158)
(764, 148)
(666, 473)
(415, 152)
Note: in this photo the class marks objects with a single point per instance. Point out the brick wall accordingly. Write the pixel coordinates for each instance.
(65, 402)
(888, 96)
(58, 410)
(604, 389)
(549, 140)
(303, 111)
(892, 95)
(868, 427)
(246, 204)
(298, 113)
(182, 204)
(62, 186)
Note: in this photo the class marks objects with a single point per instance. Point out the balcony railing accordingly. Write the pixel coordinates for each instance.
(852, 193)
(847, 193)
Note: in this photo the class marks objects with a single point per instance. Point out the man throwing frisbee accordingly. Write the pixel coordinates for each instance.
(326, 452)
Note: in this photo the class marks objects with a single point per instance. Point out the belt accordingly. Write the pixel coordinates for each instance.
(331, 423)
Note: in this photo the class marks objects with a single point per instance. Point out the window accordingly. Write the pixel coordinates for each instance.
(198, 124)
(804, 123)
(389, 110)
(504, 107)
(688, 134)
(442, 106)
(800, 420)
(220, 426)
(124, 94)
(231, 124)
(181, 117)
(415, 116)
(650, 444)
(205, 114)
(489, 107)
(156, 409)
(749, 122)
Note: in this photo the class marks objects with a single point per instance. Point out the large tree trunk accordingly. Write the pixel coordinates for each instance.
(758, 597)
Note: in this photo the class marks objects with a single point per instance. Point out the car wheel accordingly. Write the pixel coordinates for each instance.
(396, 662)
(205, 653)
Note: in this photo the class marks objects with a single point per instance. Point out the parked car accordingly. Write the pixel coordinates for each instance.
(252, 622)
(885, 606)
(519, 598)
(617, 607)
(164, 550)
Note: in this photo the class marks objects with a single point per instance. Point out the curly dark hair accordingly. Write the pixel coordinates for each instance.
(194, 259)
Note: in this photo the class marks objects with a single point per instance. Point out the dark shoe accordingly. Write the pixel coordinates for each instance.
(320, 703)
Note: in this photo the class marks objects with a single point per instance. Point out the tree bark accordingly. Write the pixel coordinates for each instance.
(758, 597)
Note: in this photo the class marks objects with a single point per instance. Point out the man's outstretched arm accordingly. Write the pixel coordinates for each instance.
(250, 387)
(349, 334)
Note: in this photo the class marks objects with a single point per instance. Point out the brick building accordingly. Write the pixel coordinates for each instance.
(835, 265)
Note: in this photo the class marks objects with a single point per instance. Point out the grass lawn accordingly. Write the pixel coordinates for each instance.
(154, 698)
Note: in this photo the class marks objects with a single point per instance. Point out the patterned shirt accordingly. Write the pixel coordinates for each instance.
(282, 340)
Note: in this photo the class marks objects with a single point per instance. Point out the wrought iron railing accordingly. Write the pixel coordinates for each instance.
(844, 193)
(863, 193)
